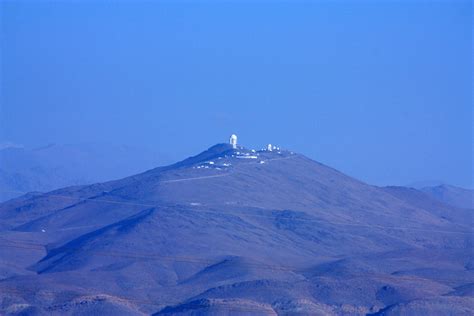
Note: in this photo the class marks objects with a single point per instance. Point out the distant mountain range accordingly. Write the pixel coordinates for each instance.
(236, 231)
(451, 195)
(56, 166)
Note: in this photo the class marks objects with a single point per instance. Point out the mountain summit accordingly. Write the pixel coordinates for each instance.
(259, 232)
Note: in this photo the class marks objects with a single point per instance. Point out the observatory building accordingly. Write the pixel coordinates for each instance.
(233, 141)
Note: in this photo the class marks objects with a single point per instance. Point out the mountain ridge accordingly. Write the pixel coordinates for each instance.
(229, 222)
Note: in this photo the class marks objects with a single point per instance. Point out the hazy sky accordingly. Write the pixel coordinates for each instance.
(380, 90)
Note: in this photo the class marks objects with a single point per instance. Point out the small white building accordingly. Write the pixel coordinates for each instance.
(269, 147)
(233, 141)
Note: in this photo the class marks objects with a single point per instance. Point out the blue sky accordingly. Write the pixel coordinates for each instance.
(380, 90)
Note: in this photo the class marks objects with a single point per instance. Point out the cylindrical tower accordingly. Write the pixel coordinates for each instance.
(233, 141)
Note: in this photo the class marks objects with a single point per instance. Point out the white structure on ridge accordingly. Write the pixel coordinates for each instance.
(269, 147)
(233, 141)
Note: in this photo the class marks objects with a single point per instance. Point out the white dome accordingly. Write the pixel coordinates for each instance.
(233, 140)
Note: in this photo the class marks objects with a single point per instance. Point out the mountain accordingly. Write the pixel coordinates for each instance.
(422, 184)
(55, 166)
(235, 231)
(452, 195)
